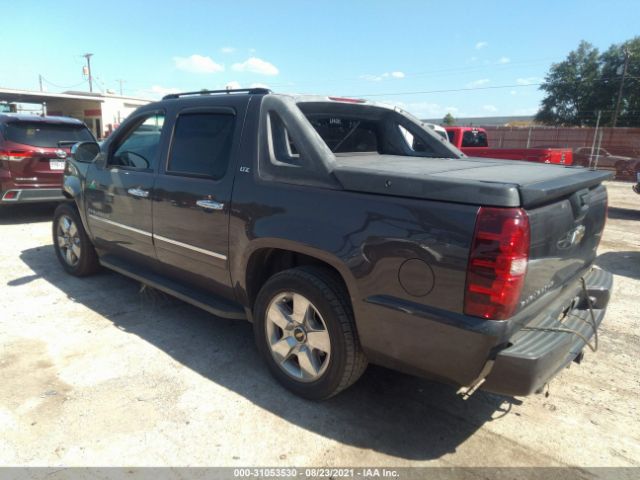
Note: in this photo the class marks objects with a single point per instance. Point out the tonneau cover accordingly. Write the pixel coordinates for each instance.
(480, 181)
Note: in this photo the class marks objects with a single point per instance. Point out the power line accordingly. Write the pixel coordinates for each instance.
(517, 85)
(452, 70)
(492, 87)
(62, 86)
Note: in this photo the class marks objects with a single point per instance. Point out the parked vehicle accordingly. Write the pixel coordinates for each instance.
(625, 167)
(439, 130)
(636, 187)
(475, 143)
(32, 155)
(343, 240)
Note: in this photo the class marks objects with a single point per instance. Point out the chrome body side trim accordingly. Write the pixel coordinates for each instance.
(190, 247)
(158, 237)
(120, 225)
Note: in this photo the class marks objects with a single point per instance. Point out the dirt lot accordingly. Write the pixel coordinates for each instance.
(96, 372)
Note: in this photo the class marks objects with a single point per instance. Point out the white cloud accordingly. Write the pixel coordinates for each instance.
(197, 64)
(256, 65)
(481, 45)
(371, 78)
(377, 78)
(228, 49)
(157, 89)
(490, 108)
(259, 85)
(513, 92)
(504, 60)
(155, 92)
(528, 80)
(478, 83)
(427, 109)
(232, 85)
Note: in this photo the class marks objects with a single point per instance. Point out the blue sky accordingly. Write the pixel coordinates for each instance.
(392, 51)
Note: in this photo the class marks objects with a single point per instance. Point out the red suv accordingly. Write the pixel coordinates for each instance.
(33, 150)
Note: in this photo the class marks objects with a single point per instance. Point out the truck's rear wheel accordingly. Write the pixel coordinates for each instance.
(71, 243)
(304, 328)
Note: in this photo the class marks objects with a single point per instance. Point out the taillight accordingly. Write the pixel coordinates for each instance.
(10, 195)
(497, 263)
(14, 156)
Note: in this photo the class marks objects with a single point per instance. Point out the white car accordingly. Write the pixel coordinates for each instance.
(438, 129)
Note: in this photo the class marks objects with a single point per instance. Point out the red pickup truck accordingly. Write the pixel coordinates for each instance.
(474, 142)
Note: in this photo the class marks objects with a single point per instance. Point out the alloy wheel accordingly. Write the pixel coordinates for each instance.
(297, 337)
(68, 239)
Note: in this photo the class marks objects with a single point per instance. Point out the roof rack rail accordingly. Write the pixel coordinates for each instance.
(251, 91)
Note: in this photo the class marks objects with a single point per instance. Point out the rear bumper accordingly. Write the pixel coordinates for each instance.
(31, 195)
(463, 350)
(536, 355)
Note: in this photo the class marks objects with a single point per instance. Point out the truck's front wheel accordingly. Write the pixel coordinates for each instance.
(304, 328)
(73, 247)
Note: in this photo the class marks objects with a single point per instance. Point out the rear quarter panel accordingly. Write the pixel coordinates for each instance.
(368, 238)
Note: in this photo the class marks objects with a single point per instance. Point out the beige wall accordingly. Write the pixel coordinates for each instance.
(112, 111)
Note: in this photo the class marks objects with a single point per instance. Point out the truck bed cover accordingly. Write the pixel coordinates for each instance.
(481, 181)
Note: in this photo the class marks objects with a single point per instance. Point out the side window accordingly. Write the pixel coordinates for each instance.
(284, 149)
(414, 143)
(139, 149)
(202, 144)
(452, 136)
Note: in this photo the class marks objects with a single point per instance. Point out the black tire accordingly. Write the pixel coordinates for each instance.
(87, 262)
(622, 170)
(329, 297)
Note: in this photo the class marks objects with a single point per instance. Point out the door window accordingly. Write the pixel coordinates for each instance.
(202, 144)
(139, 149)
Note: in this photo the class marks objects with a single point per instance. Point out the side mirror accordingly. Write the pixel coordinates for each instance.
(85, 152)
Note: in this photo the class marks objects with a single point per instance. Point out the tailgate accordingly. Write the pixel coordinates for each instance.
(40, 167)
(565, 235)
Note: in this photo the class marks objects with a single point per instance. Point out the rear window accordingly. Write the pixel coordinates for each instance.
(345, 135)
(474, 138)
(39, 134)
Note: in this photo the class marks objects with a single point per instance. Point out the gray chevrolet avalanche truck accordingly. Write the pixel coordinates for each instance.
(348, 233)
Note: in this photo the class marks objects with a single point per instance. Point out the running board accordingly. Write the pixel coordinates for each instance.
(204, 300)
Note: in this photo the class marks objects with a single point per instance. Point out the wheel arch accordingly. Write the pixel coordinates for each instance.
(270, 256)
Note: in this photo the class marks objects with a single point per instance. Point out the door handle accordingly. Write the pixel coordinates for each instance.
(138, 192)
(210, 204)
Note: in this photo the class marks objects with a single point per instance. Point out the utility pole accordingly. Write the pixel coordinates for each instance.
(624, 74)
(120, 82)
(88, 57)
(595, 135)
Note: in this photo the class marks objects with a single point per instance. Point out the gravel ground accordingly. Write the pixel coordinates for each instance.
(98, 372)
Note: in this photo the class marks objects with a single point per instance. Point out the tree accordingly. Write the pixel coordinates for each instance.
(587, 82)
(448, 120)
(571, 89)
(612, 62)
